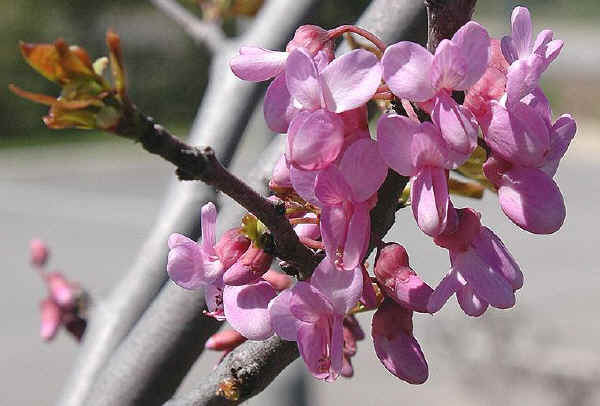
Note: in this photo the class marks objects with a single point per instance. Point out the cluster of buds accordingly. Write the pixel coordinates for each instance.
(332, 168)
(66, 303)
(87, 100)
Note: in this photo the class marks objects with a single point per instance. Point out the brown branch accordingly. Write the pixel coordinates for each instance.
(445, 17)
(195, 163)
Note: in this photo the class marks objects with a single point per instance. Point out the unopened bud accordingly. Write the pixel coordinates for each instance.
(312, 38)
(39, 252)
(51, 316)
(249, 268)
(225, 340)
(231, 246)
(61, 291)
(469, 227)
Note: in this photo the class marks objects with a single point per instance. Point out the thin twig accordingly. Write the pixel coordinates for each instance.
(445, 17)
(203, 32)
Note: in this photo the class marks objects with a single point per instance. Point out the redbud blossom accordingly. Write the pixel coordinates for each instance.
(39, 252)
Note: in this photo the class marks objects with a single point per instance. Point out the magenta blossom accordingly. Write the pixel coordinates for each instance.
(413, 73)
(418, 150)
(483, 271)
(312, 314)
(346, 195)
(395, 345)
(527, 61)
(399, 281)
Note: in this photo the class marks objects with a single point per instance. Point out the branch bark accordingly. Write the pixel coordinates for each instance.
(445, 17)
(202, 32)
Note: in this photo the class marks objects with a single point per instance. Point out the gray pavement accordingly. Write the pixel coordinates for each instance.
(95, 203)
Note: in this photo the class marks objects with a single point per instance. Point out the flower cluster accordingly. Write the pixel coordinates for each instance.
(331, 172)
(66, 302)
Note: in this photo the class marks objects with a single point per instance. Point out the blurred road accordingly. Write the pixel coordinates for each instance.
(94, 204)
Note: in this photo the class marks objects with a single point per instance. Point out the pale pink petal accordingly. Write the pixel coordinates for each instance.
(60, 290)
(521, 30)
(331, 187)
(257, 64)
(183, 262)
(281, 174)
(446, 288)
(308, 304)
(487, 283)
(368, 296)
(51, 316)
(213, 296)
(303, 183)
(334, 223)
(523, 77)
(357, 239)
(246, 309)
(336, 348)
(532, 200)
(562, 132)
(313, 345)
(473, 42)
(449, 68)
(311, 231)
(302, 79)
(551, 50)
(519, 136)
(394, 138)
(407, 71)
(363, 168)
(208, 222)
(470, 303)
(412, 292)
(428, 148)
(317, 142)
(509, 49)
(456, 123)
(493, 252)
(341, 288)
(279, 109)
(542, 40)
(429, 197)
(540, 103)
(282, 320)
(351, 80)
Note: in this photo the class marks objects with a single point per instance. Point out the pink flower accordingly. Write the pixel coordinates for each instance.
(395, 345)
(312, 314)
(246, 309)
(418, 150)
(413, 73)
(527, 61)
(316, 133)
(346, 196)
(399, 281)
(483, 271)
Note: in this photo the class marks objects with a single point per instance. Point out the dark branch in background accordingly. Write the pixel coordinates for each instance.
(201, 164)
(204, 33)
(445, 17)
(214, 125)
(243, 373)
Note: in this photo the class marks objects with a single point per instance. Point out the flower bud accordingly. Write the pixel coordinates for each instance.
(231, 246)
(399, 281)
(314, 39)
(249, 268)
(39, 253)
(61, 291)
(468, 228)
(226, 340)
(51, 316)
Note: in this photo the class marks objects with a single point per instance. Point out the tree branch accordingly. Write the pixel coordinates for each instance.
(445, 17)
(202, 32)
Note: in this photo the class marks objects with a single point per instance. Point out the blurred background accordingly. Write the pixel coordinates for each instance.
(94, 197)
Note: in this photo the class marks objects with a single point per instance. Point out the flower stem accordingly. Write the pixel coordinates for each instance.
(336, 32)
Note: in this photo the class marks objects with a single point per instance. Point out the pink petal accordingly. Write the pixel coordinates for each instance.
(412, 293)
(473, 42)
(279, 109)
(520, 135)
(351, 80)
(60, 290)
(208, 218)
(282, 320)
(246, 309)
(394, 137)
(334, 223)
(317, 141)
(532, 200)
(308, 304)
(341, 288)
(456, 123)
(407, 71)
(311, 231)
(51, 316)
(368, 296)
(304, 184)
(509, 49)
(541, 41)
(449, 68)
(336, 347)
(428, 148)
(429, 196)
(213, 296)
(523, 77)
(313, 343)
(257, 64)
(446, 288)
(521, 30)
(552, 49)
(302, 79)
(331, 187)
(470, 303)
(363, 169)
(487, 283)
(493, 252)
(281, 174)
(357, 239)
(182, 262)
(562, 132)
